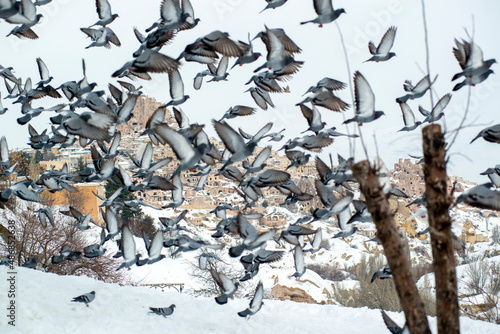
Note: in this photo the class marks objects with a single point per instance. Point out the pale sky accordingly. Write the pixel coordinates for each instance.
(62, 46)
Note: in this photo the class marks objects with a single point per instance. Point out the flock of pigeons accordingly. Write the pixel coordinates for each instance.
(91, 117)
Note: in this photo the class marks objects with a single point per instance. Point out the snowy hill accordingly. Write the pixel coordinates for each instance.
(43, 305)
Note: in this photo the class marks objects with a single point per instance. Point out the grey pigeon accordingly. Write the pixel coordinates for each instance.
(154, 250)
(66, 254)
(238, 110)
(470, 58)
(248, 55)
(383, 273)
(364, 101)
(85, 298)
(408, 118)
(472, 81)
(252, 238)
(176, 89)
(256, 303)
(261, 97)
(31, 263)
(4, 152)
(316, 242)
(300, 269)
(164, 311)
(392, 326)
(203, 259)
(130, 257)
(233, 142)
(278, 61)
(187, 155)
(95, 250)
(327, 83)
(494, 175)
(177, 198)
(252, 261)
(483, 196)
(382, 52)
(148, 61)
(490, 134)
(437, 112)
(22, 191)
(226, 286)
(325, 12)
(104, 11)
(101, 37)
(417, 91)
(326, 99)
(311, 143)
(45, 215)
(273, 4)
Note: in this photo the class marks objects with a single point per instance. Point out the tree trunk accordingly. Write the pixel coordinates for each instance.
(387, 231)
(438, 204)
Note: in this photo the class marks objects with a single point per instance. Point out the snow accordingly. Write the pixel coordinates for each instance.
(43, 305)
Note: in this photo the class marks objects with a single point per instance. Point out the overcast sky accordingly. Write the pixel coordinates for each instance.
(62, 46)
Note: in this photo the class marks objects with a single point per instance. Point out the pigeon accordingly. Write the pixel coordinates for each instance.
(273, 4)
(4, 152)
(20, 189)
(95, 250)
(483, 196)
(255, 304)
(472, 81)
(494, 175)
(437, 112)
(470, 59)
(44, 215)
(327, 83)
(252, 261)
(300, 269)
(490, 134)
(101, 37)
(85, 298)
(238, 110)
(66, 254)
(177, 198)
(364, 101)
(383, 273)
(279, 62)
(130, 257)
(31, 263)
(154, 250)
(233, 142)
(325, 12)
(252, 238)
(203, 259)
(392, 326)
(176, 89)
(164, 311)
(261, 97)
(2, 109)
(187, 155)
(148, 61)
(408, 118)
(316, 242)
(417, 91)
(226, 286)
(382, 52)
(104, 11)
(248, 55)
(220, 42)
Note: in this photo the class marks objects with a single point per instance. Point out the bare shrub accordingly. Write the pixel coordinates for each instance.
(330, 272)
(32, 240)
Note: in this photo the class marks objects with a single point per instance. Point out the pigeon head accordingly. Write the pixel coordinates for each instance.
(378, 114)
(491, 61)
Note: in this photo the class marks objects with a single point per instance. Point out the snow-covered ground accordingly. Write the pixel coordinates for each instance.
(43, 305)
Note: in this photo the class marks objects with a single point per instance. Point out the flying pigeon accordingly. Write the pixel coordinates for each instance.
(383, 273)
(256, 303)
(483, 196)
(417, 91)
(490, 134)
(325, 12)
(382, 52)
(364, 101)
